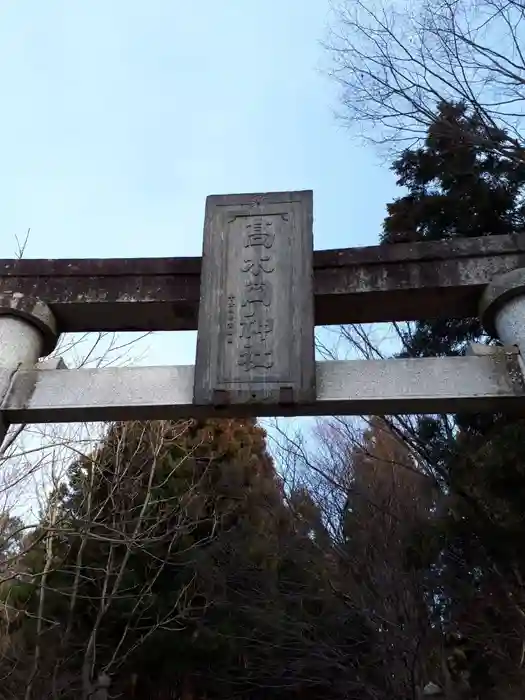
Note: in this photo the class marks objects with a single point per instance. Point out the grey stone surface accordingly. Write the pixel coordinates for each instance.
(354, 387)
(255, 340)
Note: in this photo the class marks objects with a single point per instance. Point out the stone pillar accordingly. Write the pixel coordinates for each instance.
(502, 309)
(28, 331)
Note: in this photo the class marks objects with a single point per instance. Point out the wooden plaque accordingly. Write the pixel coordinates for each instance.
(256, 321)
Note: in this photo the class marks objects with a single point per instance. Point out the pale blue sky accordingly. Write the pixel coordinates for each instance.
(119, 117)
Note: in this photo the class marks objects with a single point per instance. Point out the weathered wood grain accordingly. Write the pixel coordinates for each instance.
(255, 341)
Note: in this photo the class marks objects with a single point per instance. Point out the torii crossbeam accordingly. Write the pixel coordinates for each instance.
(254, 298)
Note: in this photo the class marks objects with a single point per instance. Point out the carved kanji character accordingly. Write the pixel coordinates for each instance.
(259, 234)
(256, 328)
(256, 357)
(258, 266)
(256, 293)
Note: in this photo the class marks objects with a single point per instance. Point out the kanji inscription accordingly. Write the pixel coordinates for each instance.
(256, 328)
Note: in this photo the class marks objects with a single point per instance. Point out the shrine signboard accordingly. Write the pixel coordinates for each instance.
(252, 298)
(255, 339)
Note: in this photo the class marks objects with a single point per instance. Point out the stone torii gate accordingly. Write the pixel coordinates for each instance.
(255, 297)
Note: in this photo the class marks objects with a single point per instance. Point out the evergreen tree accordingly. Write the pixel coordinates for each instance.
(457, 187)
(462, 187)
(179, 568)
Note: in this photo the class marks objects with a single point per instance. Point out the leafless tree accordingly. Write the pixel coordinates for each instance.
(136, 515)
(33, 458)
(33, 466)
(397, 60)
(373, 498)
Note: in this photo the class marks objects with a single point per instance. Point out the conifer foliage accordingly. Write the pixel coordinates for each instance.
(173, 566)
(177, 562)
(457, 187)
